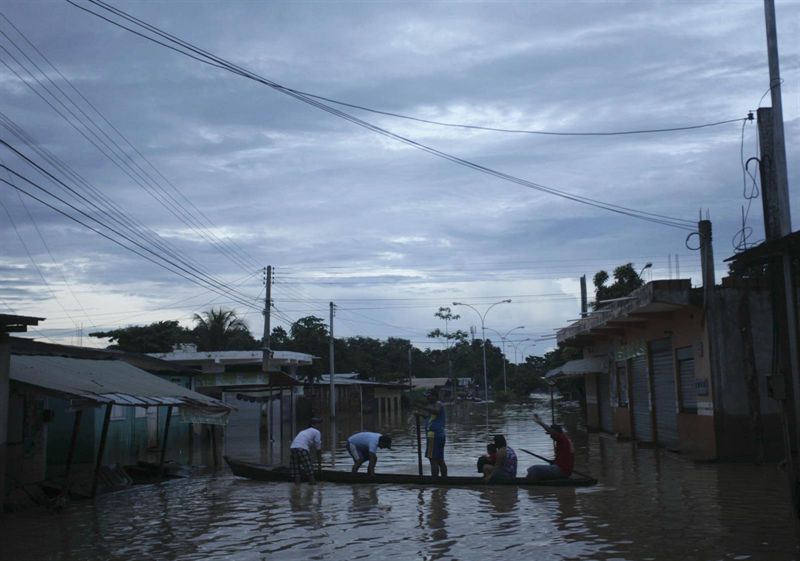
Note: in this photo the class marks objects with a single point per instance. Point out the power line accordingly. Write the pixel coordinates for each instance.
(213, 60)
(185, 273)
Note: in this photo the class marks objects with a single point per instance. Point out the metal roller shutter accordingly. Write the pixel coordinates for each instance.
(666, 410)
(604, 402)
(685, 358)
(642, 424)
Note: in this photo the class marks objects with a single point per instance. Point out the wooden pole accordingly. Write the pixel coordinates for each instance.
(71, 453)
(419, 446)
(552, 405)
(164, 443)
(101, 449)
(214, 446)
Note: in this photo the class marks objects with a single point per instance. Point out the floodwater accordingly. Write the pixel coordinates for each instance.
(650, 505)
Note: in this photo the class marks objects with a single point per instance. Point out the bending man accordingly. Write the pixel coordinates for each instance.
(363, 446)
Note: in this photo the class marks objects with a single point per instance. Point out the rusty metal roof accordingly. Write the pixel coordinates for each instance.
(106, 381)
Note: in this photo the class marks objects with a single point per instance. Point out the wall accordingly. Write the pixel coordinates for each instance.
(27, 437)
(741, 435)
(592, 411)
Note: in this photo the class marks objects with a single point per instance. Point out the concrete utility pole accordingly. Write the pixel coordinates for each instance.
(332, 368)
(779, 150)
(584, 298)
(267, 351)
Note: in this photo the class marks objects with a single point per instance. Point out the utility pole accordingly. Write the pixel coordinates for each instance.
(777, 224)
(267, 351)
(332, 369)
(584, 298)
(779, 145)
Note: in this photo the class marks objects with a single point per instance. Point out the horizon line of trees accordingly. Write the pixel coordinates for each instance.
(381, 360)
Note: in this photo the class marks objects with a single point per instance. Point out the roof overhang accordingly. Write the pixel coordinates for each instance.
(657, 299)
(767, 251)
(579, 367)
(10, 323)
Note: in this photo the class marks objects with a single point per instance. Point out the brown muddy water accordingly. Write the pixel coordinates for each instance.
(650, 505)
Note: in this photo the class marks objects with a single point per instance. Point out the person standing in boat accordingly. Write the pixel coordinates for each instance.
(363, 446)
(505, 464)
(300, 453)
(435, 433)
(561, 467)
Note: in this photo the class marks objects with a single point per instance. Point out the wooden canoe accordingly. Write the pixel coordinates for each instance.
(261, 472)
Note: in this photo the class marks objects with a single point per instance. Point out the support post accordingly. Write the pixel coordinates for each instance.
(584, 298)
(164, 443)
(5, 377)
(101, 449)
(214, 446)
(267, 351)
(419, 446)
(76, 426)
(332, 369)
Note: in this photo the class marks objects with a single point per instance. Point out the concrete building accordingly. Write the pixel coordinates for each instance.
(681, 368)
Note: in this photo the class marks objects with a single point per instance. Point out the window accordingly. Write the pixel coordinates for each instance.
(141, 412)
(117, 413)
(684, 358)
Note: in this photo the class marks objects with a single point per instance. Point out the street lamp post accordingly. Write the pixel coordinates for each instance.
(516, 345)
(503, 341)
(483, 339)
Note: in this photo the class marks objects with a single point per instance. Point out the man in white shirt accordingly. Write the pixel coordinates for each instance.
(299, 452)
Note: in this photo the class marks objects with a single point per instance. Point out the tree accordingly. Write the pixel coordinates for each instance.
(309, 334)
(626, 280)
(444, 313)
(158, 337)
(279, 338)
(222, 330)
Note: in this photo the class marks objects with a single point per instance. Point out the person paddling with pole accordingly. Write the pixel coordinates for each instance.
(561, 467)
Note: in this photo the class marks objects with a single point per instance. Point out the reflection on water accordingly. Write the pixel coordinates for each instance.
(650, 505)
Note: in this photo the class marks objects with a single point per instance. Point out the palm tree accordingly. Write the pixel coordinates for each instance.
(221, 330)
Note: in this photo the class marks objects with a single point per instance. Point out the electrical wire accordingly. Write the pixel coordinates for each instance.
(210, 59)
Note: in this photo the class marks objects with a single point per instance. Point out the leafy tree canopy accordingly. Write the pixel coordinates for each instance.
(222, 330)
(158, 337)
(626, 280)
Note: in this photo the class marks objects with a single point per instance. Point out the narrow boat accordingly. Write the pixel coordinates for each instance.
(261, 472)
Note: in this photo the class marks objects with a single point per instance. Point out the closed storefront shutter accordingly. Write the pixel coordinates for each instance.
(685, 358)
(642, 425)
(604, 402)
(664, 385)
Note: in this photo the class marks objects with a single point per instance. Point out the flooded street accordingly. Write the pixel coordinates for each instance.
(648, 505)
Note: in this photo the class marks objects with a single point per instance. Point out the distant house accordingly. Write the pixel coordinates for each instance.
(380, 399)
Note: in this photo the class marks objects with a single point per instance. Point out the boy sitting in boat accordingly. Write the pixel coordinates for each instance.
(505, 465)
(363, 446)
(561, 467)
(300, 455)
(489, 458)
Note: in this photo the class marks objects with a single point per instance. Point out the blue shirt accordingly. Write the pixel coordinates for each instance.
(436, 421)
(366, 440)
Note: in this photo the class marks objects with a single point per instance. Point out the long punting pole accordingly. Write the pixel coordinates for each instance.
(419, 446)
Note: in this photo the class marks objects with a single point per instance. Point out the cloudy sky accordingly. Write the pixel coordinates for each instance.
(210, 176)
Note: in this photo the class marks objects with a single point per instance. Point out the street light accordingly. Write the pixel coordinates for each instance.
(483, 339)
(646, 266)
(503, 340)
(516, 345)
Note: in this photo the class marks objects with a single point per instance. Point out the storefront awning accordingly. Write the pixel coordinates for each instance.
(579, 367)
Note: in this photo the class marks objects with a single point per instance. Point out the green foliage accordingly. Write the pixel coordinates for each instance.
(626, 280)
(222, 330)
(158, 337)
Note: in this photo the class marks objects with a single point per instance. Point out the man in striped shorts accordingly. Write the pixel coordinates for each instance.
(300, 455)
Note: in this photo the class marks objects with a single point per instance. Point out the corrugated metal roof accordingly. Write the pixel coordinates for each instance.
(106, 381)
